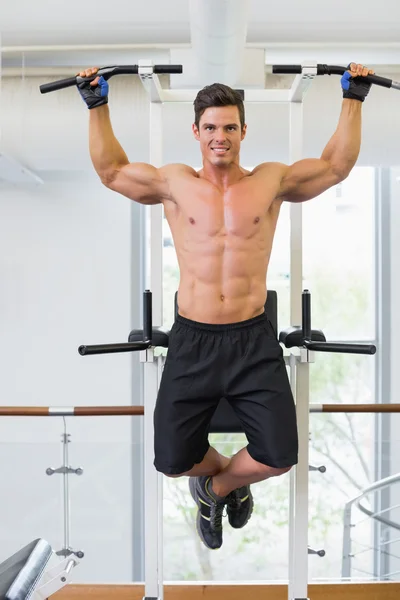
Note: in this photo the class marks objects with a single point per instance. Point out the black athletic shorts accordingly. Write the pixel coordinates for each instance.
(242, 362)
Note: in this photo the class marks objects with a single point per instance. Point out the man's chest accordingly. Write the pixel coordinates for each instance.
(240, 212)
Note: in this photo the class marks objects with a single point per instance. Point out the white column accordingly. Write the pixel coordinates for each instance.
(296, 217)
(298, 516)
(298, 511)
(153, 489)
(155, 217)
(153, 589)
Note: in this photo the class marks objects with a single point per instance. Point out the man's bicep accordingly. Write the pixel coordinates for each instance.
(141, 182)
(307, 179)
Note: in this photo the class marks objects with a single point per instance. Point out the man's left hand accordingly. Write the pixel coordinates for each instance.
(354, 84)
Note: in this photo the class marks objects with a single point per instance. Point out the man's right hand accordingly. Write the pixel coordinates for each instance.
(94, 93)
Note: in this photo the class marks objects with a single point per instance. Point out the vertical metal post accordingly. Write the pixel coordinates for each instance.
(153, 494)
(67, 505)
(296, 217)
(156, 217)
(298, 516)
(153, 589)
(346, 551)
(383, 375)
(298, 512)
(292, 547)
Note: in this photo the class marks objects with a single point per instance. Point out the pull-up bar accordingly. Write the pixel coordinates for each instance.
(321, 69)
(309, 69)
(106, 73)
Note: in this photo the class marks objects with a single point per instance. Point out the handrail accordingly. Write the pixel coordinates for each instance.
(110, 411)
(377, 485)
(378, 517)
(355, 408)
(70, 411)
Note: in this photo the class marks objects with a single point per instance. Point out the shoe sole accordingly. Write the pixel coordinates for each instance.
(249, 516)
(193, 493)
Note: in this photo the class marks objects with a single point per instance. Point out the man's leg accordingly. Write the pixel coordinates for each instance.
(212, 464)
(242, 470)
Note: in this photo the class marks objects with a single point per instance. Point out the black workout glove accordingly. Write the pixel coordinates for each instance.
(356, 88)
(93, 95)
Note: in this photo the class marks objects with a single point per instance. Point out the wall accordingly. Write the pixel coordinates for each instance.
(70, 275)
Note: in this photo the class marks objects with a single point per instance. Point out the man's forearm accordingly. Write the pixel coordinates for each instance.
(106, 152)
(343, 148)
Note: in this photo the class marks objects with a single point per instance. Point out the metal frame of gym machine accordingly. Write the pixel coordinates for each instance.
(300, 312)
(298, 363)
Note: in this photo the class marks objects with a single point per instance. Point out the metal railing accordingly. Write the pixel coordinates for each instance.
(348, 553)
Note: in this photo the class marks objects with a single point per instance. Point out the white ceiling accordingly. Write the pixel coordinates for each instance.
(38, 22)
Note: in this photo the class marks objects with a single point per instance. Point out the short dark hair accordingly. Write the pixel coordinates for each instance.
(217, 94)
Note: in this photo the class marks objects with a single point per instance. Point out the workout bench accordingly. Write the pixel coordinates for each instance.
(34, 573)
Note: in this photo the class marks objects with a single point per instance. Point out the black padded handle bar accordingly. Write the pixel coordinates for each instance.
(112, 348)
(108, 72)
(339, 347)
(131, 346)
(333, 70)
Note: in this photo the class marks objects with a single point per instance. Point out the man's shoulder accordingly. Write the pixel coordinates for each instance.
(270, 169)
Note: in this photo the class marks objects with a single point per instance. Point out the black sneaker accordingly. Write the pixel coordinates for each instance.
(239, 506)
(209, 515)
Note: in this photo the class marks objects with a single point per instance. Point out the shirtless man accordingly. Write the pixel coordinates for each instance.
(223, 220)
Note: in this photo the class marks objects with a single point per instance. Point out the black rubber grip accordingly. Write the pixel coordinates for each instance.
(335, 70)
(330, 70)
(341, 348)
(53, 86)
(108, 72)
(287, 69)
(165, 69)
(113, 348)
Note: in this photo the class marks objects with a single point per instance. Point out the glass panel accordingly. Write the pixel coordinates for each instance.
(344, 444)
(30, 501)
(103, 500)
(348, 536)
(339, 263)
(342, 378)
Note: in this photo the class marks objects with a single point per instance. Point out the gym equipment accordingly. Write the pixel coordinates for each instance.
(306, 70)
(34, 573)
(23, 568)
(106, 73)
(224, 419)
(298, 362)
(320, 69)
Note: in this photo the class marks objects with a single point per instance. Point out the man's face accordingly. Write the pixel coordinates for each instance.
(220, 134)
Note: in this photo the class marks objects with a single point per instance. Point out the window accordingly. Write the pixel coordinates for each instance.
(339, 267)
(339, 270)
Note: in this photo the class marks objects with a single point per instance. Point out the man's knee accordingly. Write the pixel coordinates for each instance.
(276, 472)
(173, 475)
(173, 471)
(272, 471)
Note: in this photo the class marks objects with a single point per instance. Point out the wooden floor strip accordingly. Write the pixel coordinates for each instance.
(340, 591)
